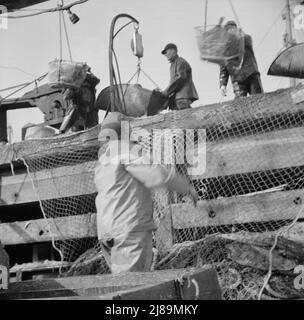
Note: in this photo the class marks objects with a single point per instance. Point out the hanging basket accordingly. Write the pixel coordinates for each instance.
(216, 45)
(67, 73)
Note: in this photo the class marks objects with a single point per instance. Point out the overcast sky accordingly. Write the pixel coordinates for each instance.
(31, 43)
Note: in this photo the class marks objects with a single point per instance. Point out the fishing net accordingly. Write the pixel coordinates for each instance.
(217, 45)
(248, 220)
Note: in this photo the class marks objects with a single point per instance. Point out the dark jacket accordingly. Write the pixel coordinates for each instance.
(248, 68)
(181, 83)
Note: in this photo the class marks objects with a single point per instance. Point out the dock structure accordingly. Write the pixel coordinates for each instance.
(251, 190)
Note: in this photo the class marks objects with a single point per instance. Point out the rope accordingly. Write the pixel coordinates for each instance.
(280, 232)
(235, 14)
(23, 86)
(140, 70)
(60, 36)
(136, 72)
(269, 30)
(18, 69)
(156, 85)
(44, 214)
(67, 36)
(17, 86)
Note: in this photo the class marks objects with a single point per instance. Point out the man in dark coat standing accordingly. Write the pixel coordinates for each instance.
(247, 79)
(181, 90)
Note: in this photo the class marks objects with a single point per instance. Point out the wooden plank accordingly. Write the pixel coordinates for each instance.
(269, 151)
(258, 107)
(202, 285)
(164, 232)
(53, 183)
(274, 150)
(227, 211)
(261, 106)
(159, 291)
(41, 230)
(239, 210)
(62, 292)
(106, 280)
(264, 207)
(39, 266)
(160, 285)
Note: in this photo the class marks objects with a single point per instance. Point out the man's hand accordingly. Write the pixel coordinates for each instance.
(224, 91)
(193, 195)
(165, 93)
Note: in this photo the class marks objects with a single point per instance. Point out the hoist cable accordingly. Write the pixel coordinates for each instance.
(235, 14)
(67, 36)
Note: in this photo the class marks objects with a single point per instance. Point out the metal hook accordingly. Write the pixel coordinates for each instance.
(136, 26)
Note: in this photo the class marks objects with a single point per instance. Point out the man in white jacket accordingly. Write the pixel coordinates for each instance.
(124, 202)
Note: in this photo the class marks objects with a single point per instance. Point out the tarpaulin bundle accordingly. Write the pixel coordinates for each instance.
(218, 46)
(64, 73)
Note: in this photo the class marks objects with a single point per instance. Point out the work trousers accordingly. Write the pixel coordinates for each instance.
(131, 252)
(179, 104)
(252, 85)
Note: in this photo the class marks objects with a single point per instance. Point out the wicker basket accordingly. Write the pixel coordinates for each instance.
(218, 46)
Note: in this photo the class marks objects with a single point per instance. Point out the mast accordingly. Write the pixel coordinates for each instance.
(288, 39)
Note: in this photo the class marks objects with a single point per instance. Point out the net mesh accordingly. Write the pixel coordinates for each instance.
(250, 198)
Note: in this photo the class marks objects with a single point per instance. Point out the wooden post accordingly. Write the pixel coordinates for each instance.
(4, 268)
(3, 125)
(289, 38)
(164, 233)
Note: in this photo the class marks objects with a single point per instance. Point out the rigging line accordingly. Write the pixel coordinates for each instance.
(133, 76)
(66, 7)
(269, 30)
(60, 36)
(156, 85)
(235, 14)
(67, 36)
(14, 87)
(18, 69)
(24, 86)
(15, 91)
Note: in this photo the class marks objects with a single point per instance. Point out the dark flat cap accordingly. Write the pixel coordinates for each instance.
(169, 46)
